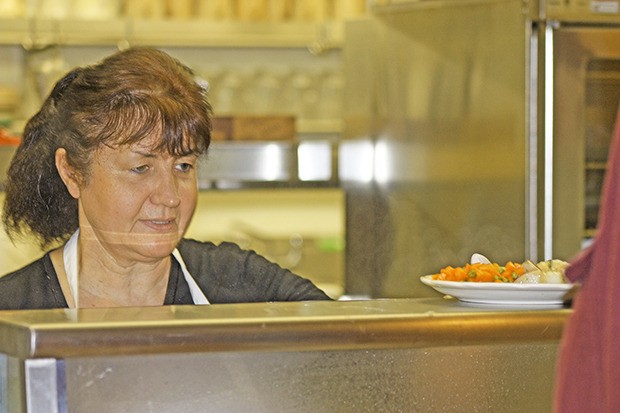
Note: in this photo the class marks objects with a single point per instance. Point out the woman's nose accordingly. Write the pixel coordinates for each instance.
(166, 191)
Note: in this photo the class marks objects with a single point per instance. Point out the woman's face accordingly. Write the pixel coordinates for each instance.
(137, 203)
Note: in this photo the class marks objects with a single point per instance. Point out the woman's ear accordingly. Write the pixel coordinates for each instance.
(67, 173)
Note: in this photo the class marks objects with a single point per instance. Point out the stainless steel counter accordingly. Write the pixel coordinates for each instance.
(379, 355)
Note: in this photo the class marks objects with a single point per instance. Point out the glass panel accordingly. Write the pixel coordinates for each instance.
(602, 97)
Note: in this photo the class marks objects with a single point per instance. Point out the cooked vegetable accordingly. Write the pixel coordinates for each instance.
(551, 271)
(545, 272)
(481, 273)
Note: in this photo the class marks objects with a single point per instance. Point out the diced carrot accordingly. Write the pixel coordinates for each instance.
(481, 272)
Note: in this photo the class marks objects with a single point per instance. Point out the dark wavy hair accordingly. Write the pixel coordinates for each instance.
(126, 97)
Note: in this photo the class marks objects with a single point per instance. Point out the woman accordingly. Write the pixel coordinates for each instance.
(107, 168)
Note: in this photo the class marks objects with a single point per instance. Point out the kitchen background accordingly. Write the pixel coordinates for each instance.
(363, 143)
(275, 62)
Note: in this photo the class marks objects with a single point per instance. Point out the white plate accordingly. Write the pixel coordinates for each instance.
(501, 293)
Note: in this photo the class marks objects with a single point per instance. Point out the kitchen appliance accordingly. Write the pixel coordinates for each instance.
(474, 126)
(577, 47)
(435, 152)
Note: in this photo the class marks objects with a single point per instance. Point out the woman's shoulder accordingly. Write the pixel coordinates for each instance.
(192, 245)
(30, 286)
(34, 269)
(205, 252)
(228, 273)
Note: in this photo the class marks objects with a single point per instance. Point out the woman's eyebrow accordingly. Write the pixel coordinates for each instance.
(144, 154)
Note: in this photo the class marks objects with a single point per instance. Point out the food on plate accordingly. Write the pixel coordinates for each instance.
(550, 271)
(547, 272)
(480, 272)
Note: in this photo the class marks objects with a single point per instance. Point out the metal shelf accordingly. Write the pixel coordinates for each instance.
(317, 37)
(245, 164)
(391, 6)
(231, 164)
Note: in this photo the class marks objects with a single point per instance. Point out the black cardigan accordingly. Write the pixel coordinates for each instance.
(225, 273)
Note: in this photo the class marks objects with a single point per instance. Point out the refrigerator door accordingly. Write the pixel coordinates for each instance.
(586, 92)
(434, 157)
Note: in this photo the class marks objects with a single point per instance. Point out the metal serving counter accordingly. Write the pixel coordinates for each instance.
(405, 355)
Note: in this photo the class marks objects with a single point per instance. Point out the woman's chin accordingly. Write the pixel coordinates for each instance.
(158, 255)
(158, 249)
(150, 246)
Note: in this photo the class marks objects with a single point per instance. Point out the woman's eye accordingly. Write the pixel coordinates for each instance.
(184, 167)
(140, 169)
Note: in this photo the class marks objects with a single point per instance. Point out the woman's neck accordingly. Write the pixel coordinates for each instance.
(103, 281)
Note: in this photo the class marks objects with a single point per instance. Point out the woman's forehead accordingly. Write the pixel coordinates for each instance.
(147, 148)
(150, 143)
(156, 142)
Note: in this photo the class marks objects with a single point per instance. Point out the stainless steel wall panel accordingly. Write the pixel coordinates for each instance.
(445, 115)
(485, 378)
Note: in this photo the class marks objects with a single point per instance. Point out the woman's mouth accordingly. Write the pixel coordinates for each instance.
(161, 224)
